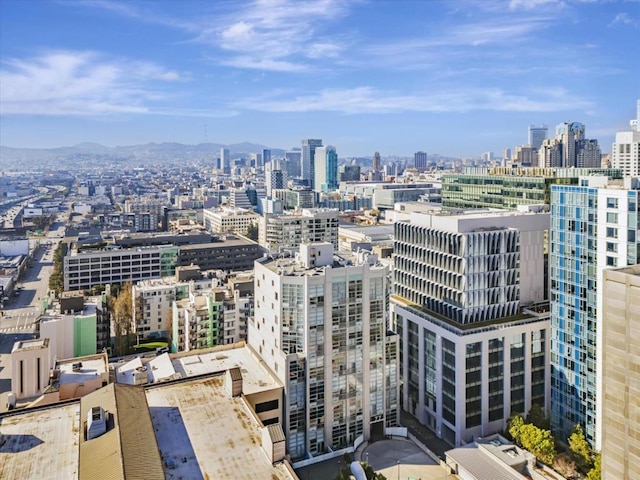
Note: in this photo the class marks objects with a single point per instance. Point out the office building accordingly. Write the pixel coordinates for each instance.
(569, 148)
(620, 375)
(304, 226)
(594, 226)
(625, 153)
(349, 173)
(420, 161)
(526, 156)
(266, 157)
(326, 169)
(224, 219)
(274, 179)
(497, 187)
(537, 135)
(469, 306)
(230, 253)
(308, 159)
(320, 326)
(376, 165)
(293, 163)
(225, 161)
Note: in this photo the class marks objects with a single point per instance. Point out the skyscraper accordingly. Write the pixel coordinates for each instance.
(376, 165)
(309, 146)
(225, 161)
(594, 226)
(266, 156)
(320, 326)
(471, 353)
(537, 135)
(420, 161)
(569, 148)
(625, 153)
(326, 169)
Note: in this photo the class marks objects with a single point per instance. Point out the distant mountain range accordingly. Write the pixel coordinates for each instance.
(20, 158)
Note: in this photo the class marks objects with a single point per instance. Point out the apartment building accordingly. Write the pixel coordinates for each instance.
(320, 325)
(290, 230)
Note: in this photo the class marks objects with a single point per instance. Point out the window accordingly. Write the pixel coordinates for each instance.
(612, 217)
(612, 232)
(612, 261)
(612, 203)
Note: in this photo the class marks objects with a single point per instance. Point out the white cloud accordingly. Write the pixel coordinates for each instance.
(369, 100)
(532, 4)
(79, 83)
(624, 19)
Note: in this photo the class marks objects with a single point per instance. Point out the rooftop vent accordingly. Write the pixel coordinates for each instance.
(77, 366)
(96, 423)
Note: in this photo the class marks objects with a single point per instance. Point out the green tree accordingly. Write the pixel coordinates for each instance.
(596, 472)
(580, 449)
(252, 232)
(539, 442)
(538, 418)
(56, 280)
(514, 427)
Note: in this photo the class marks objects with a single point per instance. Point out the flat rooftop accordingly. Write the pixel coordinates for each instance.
(40, 444)
(190, 420)
(255, 376)
(35, 344)
(92, 367)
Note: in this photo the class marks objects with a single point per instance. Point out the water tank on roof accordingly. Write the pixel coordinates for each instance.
(11, 401)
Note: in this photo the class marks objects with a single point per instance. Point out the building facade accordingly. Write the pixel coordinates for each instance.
(309, 146)
(420, 161)
(320, 325)
(594, 226)
(621, 377)
(326, 169)
(498, 187)
(471, 354)
(221, 220)
(305, 226)
(537, 135)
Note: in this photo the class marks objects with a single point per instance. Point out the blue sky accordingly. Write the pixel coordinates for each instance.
(450, 77)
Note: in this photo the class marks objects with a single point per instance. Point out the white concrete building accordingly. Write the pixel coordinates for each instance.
(320, 325)
(221, 220)
(625, 152)
(308, 225)
(472, 356)
(30, 364)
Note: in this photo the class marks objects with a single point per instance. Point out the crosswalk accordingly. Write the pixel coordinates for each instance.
(20, 329)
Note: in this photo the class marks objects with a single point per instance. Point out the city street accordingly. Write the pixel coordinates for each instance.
(20, 313)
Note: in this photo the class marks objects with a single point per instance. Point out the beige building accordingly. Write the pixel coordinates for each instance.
(29, 367)
(621, 374)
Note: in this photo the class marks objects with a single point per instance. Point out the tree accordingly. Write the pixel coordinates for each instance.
(565, 466)
(539, 442)
(580, 449)
(538, 418)
(122, 309)
(514, 426)
(252, 232)
(596, 472)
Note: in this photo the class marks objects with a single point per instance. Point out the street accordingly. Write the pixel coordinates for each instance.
(21, 312)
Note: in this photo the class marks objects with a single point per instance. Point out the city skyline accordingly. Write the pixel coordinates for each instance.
(119, 73)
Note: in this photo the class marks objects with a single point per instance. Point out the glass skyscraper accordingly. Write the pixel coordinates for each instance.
(594, 226)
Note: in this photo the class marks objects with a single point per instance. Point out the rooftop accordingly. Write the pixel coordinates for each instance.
(189, 418)
(81, 369)
(255, 376)
(34, 444)
(35, 344)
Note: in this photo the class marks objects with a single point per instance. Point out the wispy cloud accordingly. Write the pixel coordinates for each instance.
(369, 100)
(276, 35)
(624, 19)
(80, 83)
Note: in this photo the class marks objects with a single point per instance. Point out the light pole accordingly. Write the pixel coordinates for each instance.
(398, 463)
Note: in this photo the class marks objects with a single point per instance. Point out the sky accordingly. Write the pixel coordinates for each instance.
(452, 77)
